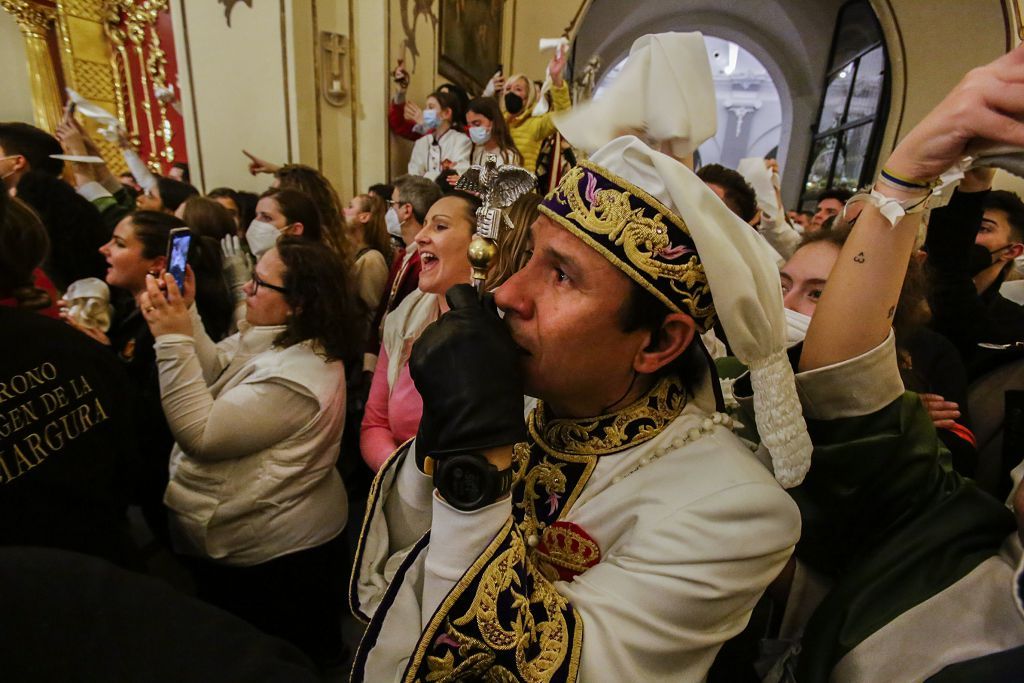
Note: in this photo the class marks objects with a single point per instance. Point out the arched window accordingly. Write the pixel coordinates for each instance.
(749, 111)
(851, 117)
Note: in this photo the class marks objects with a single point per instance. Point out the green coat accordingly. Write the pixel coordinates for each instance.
(885, 518)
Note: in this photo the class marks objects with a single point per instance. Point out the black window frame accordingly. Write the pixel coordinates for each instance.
(877, 120)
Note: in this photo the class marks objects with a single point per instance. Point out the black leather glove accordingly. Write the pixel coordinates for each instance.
(466, 368)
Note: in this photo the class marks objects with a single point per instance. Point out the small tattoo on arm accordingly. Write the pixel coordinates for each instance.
(859, 258)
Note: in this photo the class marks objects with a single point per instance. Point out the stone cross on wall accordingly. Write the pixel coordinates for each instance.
(333, 47)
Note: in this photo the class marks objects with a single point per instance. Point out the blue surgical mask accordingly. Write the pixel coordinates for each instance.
(479, 135)
(430, 118)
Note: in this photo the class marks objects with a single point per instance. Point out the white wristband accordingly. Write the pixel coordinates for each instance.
(892, 209)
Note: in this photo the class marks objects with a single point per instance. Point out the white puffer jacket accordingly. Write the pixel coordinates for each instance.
(282, 498)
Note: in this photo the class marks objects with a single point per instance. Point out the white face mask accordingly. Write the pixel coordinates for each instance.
(261, 237)
(796, 327)
(393, 222)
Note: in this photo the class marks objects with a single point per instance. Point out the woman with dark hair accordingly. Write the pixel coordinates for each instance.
(261, 509)
(284, 211)
(165, 196)
(489, 133)
(394, 407)
(929, 364)
(137, 251)
(66, 472)
(444, 147)
(228, 198)
(24, 245)
(206, 217)
(313, 184)
(278, 212)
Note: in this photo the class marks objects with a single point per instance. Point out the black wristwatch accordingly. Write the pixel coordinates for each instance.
(469, 482)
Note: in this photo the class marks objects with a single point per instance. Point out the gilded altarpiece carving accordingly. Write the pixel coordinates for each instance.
(145, 74)
(117, 53)
(37, 23)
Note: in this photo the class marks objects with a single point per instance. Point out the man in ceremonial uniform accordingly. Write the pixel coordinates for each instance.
(624, 531)
(640, 531)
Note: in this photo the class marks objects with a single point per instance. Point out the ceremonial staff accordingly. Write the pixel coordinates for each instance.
(499, 188)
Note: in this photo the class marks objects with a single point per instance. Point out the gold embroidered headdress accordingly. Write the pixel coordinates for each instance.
(655, 220)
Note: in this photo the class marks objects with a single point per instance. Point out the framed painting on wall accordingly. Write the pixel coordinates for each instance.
(470, 41)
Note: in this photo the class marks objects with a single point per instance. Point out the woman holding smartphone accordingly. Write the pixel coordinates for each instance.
(139, 246)
(256, 502)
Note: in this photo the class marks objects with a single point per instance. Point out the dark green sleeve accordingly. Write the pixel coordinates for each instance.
(115, 207)
(886, 518)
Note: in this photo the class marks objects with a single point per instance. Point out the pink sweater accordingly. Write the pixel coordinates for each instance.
(389, 420)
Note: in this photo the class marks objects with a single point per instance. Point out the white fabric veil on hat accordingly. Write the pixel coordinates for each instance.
(664, 93)
(745, 289)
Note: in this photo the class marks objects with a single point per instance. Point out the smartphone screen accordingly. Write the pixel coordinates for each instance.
(177, 255)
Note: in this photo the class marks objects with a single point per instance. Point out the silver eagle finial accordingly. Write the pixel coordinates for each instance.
(499, 187)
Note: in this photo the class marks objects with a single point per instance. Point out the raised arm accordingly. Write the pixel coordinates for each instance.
(983, 109)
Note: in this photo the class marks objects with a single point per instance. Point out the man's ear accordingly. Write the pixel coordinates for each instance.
(666, 343)
(1014, 251)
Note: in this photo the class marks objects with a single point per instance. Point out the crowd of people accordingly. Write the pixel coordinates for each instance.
(755, 444)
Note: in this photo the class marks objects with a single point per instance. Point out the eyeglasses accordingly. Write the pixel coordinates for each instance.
(257, 283)
(395, 203)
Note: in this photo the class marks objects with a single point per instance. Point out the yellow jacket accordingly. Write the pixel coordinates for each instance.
(529, 132)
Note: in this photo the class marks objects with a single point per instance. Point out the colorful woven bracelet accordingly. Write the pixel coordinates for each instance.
(907, 183)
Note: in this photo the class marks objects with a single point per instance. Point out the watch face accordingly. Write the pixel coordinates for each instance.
(464, 483)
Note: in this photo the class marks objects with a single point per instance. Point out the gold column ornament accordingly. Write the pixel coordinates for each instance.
(119, 64)
(85, 59)
(36, 24)
(131, 27)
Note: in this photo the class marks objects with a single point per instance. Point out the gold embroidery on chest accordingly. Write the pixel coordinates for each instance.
(521, 629)
(507, 602)
(548, 475)
(629, 427)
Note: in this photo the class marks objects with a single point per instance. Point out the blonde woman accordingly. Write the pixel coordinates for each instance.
(518, 98)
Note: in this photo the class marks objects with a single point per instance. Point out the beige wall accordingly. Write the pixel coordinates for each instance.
(234, 96)
(256, 86)
(16, 103)
(931, 46)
